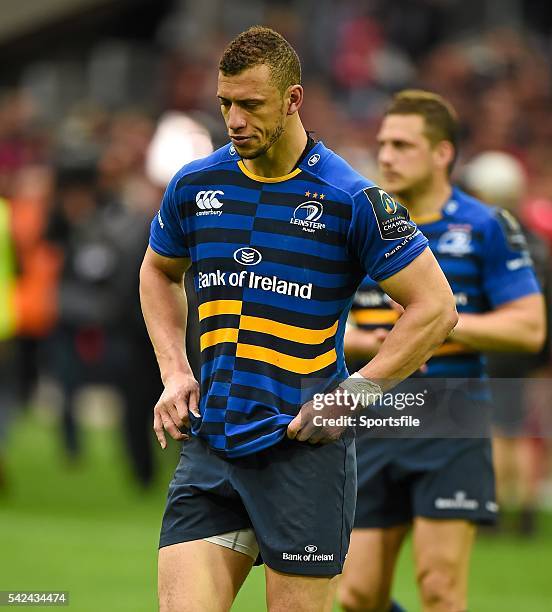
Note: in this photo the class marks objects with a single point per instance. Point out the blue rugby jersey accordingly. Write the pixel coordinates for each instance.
(276, 262)
(484, 256)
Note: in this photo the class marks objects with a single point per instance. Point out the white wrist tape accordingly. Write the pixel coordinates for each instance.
(367, 391)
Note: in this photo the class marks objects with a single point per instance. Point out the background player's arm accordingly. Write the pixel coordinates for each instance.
(517, 326)
(429, 315)
(517, 321)
(165, 311)
(362, 343)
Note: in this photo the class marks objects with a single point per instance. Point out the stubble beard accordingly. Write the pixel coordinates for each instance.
(272, 139)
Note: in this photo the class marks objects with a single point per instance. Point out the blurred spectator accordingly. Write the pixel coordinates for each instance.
(537, 214)
(38, 266)
(99, 333)
(499, 179)
(22, 143)
(29, 268)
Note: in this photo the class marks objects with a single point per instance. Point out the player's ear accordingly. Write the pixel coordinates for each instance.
(295, 97)
(444, 153)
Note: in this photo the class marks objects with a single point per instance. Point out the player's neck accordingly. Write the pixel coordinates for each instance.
(428, 203)
(282, 156)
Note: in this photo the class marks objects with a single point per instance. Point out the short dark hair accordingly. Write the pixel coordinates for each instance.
(260, 45)
(440, 118)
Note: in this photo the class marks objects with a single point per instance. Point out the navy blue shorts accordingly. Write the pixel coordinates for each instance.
(399, 479)
(298, 498)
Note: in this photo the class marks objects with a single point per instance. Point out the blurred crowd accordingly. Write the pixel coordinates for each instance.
(86, 148)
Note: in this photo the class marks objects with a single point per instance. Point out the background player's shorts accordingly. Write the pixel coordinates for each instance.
(399, 479)
(298, 498)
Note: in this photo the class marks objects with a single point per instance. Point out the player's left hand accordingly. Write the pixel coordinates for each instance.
(304, 427)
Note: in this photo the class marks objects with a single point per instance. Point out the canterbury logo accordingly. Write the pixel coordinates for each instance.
(208, 200)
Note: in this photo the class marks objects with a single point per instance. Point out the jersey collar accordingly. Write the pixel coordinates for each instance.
(309, 158)
(264, 179)
(427, 219)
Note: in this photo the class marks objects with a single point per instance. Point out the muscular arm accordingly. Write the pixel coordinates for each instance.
(165, 310)
(517, 326)
(429, 315)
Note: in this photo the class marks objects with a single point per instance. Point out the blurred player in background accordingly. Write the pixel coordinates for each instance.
(518, 453)
(442, 488)
(279, 232)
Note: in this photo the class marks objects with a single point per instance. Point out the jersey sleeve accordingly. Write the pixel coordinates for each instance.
(382, 235)
(166, 234)
(508, 269)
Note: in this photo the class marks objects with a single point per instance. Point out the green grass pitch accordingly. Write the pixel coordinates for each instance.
(87, 530)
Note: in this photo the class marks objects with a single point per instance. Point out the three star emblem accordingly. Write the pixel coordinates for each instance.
(315, 195)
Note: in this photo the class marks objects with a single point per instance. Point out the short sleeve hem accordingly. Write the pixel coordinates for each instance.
(163, 253)
(510, 289)
(401, 261)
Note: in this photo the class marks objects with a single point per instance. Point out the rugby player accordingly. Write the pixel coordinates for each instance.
(442, 488)
(279, 232)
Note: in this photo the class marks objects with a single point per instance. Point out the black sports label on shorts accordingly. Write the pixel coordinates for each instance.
(393, 219)
(512, 230)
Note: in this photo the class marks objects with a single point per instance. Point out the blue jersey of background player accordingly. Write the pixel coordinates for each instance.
(484, 256)
(279, 232)
(443, 487)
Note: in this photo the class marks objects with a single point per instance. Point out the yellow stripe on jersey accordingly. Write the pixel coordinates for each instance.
(266, 179)
(219, 307)
(217, 336)
(375, 316)
(297, 365)
(285, 331)
(452, 348)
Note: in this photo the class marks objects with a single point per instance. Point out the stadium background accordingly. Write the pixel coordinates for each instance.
(99, 102)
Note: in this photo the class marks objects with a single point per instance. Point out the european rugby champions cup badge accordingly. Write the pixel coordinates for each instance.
(392, 218)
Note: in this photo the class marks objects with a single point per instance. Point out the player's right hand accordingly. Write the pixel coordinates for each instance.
(180, 396)
(323, 430)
